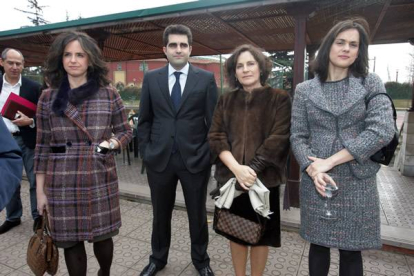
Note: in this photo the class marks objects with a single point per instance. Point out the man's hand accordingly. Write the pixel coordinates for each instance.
(23, 120)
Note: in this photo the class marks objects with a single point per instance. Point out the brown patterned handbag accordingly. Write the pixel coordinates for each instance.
(229, 224)
(42, 253)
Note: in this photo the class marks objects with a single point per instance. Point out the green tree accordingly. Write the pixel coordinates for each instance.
(34, 73)
(399, 91)
(130, 93)
(283, 69)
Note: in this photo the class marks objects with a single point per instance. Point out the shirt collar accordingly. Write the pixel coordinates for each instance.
(184, 70)
(6, 82)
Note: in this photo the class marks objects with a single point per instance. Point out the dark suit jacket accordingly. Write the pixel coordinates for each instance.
(11, 165)
(159, 124)
(31, 91)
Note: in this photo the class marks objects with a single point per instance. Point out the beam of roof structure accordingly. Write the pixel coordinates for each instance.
(380, 18)
(219, 26)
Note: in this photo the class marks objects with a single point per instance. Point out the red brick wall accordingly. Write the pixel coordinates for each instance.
(134, 75)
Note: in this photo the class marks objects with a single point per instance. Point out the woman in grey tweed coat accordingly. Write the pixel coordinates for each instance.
(80, 120)
(334, 132)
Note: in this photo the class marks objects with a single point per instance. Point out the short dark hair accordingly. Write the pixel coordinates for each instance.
(55, 71)
(177, 29)
(265, 64)
(360, 67)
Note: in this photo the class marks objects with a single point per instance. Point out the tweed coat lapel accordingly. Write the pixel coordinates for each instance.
(73, 114)
(356, 92)
(163, 84)
(192, 80)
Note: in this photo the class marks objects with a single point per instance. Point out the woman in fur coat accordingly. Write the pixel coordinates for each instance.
(334, 133)
(249, 139)
(81, 121)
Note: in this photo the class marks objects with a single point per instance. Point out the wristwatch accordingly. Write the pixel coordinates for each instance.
(111, 145)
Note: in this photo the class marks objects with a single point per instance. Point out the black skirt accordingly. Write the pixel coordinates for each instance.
(241, 206)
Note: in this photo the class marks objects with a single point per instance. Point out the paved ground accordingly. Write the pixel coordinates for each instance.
(132, 245)
(132, 248)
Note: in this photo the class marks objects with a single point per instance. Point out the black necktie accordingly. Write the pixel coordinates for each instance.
(176, 91)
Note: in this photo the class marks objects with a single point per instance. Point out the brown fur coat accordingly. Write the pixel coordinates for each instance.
(254, 127)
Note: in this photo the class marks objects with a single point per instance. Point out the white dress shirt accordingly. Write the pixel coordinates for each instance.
(6, 90)
(183, 77)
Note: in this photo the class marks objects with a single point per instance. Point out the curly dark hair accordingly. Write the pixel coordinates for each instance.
(360, 67)
(265, 64)
(55, 71)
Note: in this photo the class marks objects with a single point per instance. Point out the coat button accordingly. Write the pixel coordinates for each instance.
(89, 142)
(69, 144)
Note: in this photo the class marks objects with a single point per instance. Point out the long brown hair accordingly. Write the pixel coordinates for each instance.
(265, 65)
(360, 67)
(55, 71)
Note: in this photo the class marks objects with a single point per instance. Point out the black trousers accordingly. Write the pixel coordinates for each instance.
(163, 186)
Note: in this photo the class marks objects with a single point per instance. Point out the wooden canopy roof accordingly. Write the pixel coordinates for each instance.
(218, 26)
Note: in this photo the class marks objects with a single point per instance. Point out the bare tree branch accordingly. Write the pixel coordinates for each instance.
(36, 12)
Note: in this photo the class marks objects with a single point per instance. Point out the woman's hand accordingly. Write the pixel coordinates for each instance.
(318, 166)
(41, 202)
(245, 175)
(320, 181)
(104, 144)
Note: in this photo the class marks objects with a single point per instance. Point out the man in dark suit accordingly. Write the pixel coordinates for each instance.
(11, 165)
(177, 104)
(23, 129)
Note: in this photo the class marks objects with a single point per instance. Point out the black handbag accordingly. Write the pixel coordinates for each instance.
(385, 155)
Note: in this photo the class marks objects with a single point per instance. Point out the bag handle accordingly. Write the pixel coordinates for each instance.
(394, 112)
(44, 235)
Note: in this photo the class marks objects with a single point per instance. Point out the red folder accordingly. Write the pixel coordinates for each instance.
(16, 103)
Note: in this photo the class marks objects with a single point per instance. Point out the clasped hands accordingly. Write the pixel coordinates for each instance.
(245, 175)
(317, 170)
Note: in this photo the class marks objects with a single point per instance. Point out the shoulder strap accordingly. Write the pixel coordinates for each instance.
(394, 112)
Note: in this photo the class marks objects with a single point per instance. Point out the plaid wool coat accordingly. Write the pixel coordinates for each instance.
(81, 185)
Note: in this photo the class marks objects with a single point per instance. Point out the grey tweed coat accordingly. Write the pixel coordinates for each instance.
(320, 130)
(81, 185)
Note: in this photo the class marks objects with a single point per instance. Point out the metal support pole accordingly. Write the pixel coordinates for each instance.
(412, 100)
(221, 74)
(298, 77)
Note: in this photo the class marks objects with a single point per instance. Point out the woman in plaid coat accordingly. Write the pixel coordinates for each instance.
(81, 121)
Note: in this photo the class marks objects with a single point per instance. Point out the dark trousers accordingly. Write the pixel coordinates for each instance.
(14, 208)
(350, 262)
(163, 186)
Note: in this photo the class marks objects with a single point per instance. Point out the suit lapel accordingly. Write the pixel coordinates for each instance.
(73, 114)
(23, 90)
(192, 80)
(163, 84)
